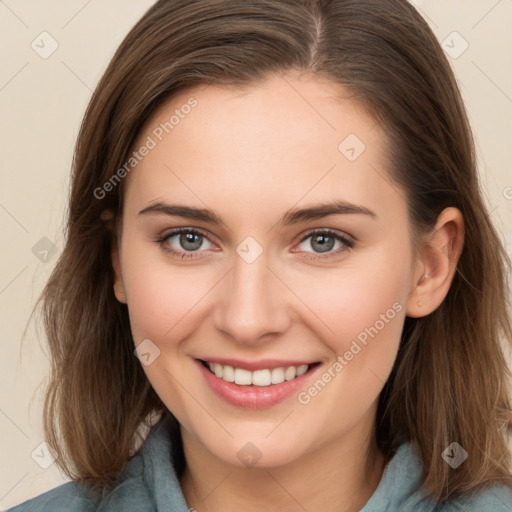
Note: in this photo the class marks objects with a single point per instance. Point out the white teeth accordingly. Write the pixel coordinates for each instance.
(290, 373)
(228, 374)
(260, 378)
(301, 370)
(218, 370)
(242, 377)
(277, 375)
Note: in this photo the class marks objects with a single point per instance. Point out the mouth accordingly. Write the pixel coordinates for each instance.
(262, 377)
(257, 385)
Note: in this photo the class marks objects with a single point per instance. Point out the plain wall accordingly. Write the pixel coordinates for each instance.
(42, 102)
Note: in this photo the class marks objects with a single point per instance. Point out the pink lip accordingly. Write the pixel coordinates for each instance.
(253, 397)
(264, 364)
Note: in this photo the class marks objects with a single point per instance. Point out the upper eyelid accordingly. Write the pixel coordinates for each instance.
(334, 232)
(340, 235)
(343, 237)
(178, 231)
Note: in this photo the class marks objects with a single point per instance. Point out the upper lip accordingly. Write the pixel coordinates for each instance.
(252, 366)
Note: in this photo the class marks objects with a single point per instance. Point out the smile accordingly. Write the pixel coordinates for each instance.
(262, 378)
(258, 385)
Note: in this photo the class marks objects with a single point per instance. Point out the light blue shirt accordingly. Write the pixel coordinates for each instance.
(149, 483)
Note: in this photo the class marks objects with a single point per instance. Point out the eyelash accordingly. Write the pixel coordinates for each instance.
(348, 244)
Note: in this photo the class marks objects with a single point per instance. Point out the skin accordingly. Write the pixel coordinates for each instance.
(250, 156)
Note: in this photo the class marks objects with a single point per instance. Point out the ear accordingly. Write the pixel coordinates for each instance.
(438, 255)
(119, 291)
(107, 217)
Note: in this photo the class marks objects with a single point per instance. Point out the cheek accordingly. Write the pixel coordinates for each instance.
(364, 309)
(363, 306)
(162, 298)
(358, 301)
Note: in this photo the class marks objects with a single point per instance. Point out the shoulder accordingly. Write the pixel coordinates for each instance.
(401, 490)
(147, 483)
(129, 493)
(492, 499)
(70, 496)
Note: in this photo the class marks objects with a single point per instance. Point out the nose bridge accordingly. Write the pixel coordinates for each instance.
(253, 301)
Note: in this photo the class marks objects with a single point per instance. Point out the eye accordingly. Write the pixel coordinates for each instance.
(185, 242)
(325, 241)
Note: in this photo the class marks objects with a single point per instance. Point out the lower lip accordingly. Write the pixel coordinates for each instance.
(253, 397)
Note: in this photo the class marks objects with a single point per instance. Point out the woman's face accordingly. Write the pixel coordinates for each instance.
(300, 254)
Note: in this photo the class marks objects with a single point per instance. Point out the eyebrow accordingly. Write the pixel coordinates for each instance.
(293, 216)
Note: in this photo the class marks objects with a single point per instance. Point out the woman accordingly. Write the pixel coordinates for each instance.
(276, 205)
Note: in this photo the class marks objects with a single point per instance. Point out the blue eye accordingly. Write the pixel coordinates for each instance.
(188, 243)
(323, 241)
(184, 242)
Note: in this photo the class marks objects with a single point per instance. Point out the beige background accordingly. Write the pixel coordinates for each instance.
(42, 101)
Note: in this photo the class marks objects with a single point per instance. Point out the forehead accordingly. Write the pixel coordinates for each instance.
(279, 113)
(285, 140)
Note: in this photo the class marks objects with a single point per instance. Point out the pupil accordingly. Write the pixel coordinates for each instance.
(324, 243)
(190, 241)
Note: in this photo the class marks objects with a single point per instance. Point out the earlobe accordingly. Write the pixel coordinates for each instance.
(437, 262)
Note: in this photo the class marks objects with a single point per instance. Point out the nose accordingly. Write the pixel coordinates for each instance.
(253, 302)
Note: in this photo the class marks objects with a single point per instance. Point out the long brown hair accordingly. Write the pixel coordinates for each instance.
(449, 382)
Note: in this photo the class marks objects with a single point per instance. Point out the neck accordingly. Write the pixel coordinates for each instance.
(340, 476)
